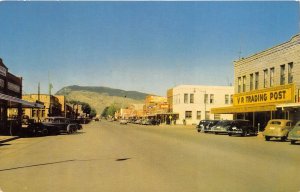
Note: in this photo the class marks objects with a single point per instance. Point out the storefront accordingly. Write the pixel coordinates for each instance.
(266, 85)
(11, 103)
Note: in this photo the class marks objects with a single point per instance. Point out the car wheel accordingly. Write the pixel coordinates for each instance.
(229, 134)
(216, 133)
(293, 142)
(198, 131)
(283, 138)
(267, 138)
(244, 134)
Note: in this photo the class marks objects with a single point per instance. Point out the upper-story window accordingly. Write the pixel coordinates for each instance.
(265, 78)
(226, 99)
(191, 98)
(205, 98)
(186, 98)
(251, 82)
(239, 84)
(231, 99)
(272, 71)
(244, 83)
(290, 72)
(211, 99)
(282, 74)
(256, 80)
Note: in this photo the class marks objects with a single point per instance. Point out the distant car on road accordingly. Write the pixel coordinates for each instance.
(294, 134)
(277, 128)
(241, 127)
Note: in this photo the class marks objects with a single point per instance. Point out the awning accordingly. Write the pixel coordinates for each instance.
(243, 109)
(289, 106)
(14, 100)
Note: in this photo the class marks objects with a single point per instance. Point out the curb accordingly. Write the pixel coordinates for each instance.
(7, 139)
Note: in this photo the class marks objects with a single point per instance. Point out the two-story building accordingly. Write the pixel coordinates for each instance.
(267, 84)
(193, 103)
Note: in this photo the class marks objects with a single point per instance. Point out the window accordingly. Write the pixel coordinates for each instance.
(244, 83)
(34, 113)
(272, 71)
(217, 117)
(198, 115)
(251, 82)
(265, 78)
(205, 98)
(192, 98)
(231, 99)
(43, 113)
(186, 98)
(226, 99)
(282, 74)
(211, 98)
(256, 80)
(188, 114)
(290, 73)
(239, 84)
(207, 115)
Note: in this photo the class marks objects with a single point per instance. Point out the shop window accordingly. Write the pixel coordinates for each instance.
(226, 99)
(211, 100)
(251, 82)
(282, 74)
(231, 99)
(272, 71)
(256, 80)
(244, 83)
(188, 114)
(186, 98)
(198, 115)
(217, 117)
(34, 113)
(290, 73)
(265, 78)
(192, 98)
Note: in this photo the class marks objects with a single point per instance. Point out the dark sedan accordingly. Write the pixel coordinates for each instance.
(242, 128)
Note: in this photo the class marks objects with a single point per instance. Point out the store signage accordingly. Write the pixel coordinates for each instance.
(3, 71)
(13, 87)
(278, 94)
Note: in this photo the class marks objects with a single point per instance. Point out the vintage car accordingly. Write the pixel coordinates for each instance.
(123, 121)
(221, 127)
(56, 125)
(277, 128)
(242, 128)
(206, 125)
(294, 134)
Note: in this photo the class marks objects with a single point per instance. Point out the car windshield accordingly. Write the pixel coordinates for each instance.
(275, 122)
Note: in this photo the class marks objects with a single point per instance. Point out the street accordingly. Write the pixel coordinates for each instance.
(106, 156)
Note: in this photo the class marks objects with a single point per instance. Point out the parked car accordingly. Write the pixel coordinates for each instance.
(277, 128)
(60, 125)
(138, 121)
(222, 126)
(241, 127)
(206, 125)
(294, 134)
(123, 121)
(146, 122)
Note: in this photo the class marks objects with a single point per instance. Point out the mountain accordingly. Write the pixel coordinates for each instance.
(101, 97)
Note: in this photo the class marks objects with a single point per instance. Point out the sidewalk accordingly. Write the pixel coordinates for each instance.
(4, 139)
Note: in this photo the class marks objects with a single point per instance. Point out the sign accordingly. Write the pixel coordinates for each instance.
(14, 87)
(3, 71)
(278, 94)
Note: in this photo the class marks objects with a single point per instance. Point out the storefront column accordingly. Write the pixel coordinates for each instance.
(253, 119)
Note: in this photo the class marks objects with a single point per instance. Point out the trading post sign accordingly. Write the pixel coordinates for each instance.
(280, 94)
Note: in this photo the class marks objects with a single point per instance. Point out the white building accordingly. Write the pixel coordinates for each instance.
(193, 102)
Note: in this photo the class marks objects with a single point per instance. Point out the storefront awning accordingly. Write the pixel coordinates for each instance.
(14, 100)
(243, 109)
(289, 106)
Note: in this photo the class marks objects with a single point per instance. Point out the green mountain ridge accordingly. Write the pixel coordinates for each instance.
(101, 97)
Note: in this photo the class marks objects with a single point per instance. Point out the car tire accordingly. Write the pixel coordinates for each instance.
(229, 134)
(267, 138)
(244, 134)
(282, 139)
(293, 142)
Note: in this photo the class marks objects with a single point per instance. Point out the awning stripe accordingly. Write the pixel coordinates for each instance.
(243, 109)
(18, 100)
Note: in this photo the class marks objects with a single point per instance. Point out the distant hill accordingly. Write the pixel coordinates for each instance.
(101, 97)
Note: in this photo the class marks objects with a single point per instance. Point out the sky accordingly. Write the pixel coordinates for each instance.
(137, 46)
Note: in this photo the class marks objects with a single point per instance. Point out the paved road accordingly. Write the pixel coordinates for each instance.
(106, 156)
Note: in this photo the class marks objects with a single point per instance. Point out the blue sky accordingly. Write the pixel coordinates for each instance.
(142, 46)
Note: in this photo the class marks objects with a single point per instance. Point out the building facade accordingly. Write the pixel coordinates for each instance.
(52, 107)
(267, 84)
(193, 103)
